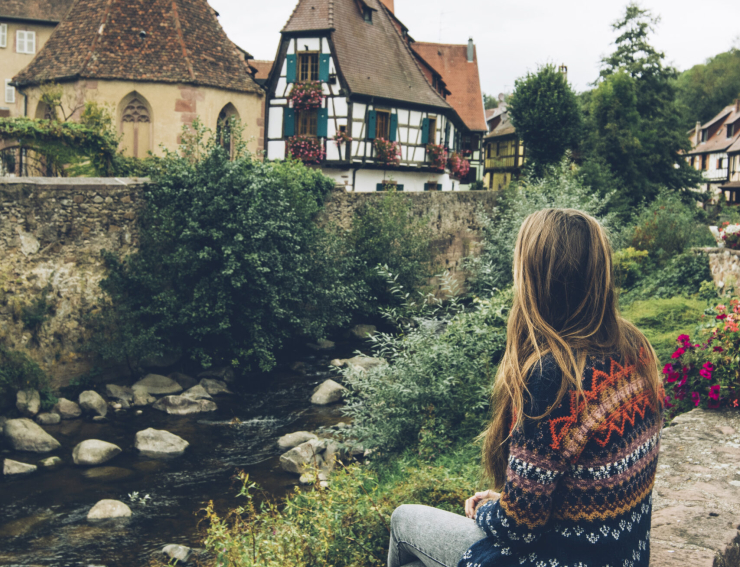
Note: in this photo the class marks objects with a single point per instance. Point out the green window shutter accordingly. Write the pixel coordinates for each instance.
(290, 73)
(322, 123)
(392, 136)
(324, 68)
(372, 122)
(380, 187)
(439, 186)
(425, 131)
(288, 122)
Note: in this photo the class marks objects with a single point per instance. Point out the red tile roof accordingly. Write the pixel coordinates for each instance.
(461, 77)
(178, 41)
(41, 10)
(503, 128)
(374, 59)
(719, 142)
(263, 68)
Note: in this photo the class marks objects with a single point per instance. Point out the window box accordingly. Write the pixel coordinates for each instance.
(437, 156)
(306, 96)
(308, 149)
(387, 153)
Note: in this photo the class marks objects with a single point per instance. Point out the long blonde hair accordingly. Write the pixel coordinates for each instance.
(565, 304)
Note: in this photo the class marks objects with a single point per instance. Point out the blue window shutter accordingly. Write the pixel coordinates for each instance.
(289, 122)
(425, 131)
(394, 128)
(322, 123)
(290, 73)
(324, 68)
(372, 121)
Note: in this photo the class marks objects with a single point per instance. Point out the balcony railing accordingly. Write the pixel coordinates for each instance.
(501, 162)
(715, 174)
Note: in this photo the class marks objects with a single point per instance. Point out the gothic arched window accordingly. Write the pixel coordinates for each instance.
(224, 127)
(136, 126)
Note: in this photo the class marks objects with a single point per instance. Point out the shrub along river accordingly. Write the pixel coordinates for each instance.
(43, 515)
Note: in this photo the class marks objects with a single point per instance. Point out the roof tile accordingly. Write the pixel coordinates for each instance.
(42, 10)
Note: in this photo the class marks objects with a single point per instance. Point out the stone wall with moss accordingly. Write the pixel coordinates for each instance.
(725, 267)
(51, 234)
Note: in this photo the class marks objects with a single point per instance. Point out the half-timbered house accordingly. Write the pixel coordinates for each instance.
(504, 151)
(348, 94)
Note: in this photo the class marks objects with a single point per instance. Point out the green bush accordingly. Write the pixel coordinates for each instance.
(231, 262)
(19, 372)
(628, 266)
(682, 275)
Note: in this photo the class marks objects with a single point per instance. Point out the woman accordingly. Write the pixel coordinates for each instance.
(573, 444)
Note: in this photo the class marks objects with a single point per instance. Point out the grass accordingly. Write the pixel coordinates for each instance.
(662, 320)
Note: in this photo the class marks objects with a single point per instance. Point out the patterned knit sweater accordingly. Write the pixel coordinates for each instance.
(579, 482)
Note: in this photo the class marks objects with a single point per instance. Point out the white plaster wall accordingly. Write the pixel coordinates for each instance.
(367, 180)
(275, 127)
(276, 149)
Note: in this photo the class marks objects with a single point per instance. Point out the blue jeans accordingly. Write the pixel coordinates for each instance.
(427, 537)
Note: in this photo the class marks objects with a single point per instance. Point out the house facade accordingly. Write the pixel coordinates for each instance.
(715, 149)
(348, 94)
(156, 66)
(25, 26)
(504, 151)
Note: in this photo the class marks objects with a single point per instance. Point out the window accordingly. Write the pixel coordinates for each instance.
(432, 130)
(9, 91)
(704, 135)
(136, 128)
(720, 161)
(367, 14)
(731, 130)
(306, 123)
(3, 35)
(704, 162)
(308, 67)
(383, 124)
(25, 42)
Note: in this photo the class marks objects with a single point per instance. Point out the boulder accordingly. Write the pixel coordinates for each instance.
(215, 387)
(158, 385)
(180, 405)
(328, 393)
(28, 402)
(322, 344)
(364, 362)
(178, 553)
(122, 393)
(304, 457)
(93, 403)
(185, 381)
(24, 435)
(67, 409)
(143, 398)
(94, 452)
(106, 509)
(294, 439)
(48, 418)
(338, 362)
(51, 463)
(363, 331)
(154, 442)
(225, 373)
(11, 468)
(197, 393)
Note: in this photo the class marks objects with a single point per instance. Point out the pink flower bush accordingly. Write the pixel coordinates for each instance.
(388, 153)
(306, 96)
(341, 138)
(308, 149)
(437, 156)
(458, 166)
(730, 233)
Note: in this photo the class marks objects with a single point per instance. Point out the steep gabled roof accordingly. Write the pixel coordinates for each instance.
(503, 128)
(52, 11)
(719, 142)
(170, 41)
(461, 78)
(373, 58)
(261, 70)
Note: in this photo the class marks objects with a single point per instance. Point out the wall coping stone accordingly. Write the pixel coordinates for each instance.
(73, 181)
(716, 250)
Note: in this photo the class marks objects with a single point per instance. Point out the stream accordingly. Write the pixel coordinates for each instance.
(43, 515)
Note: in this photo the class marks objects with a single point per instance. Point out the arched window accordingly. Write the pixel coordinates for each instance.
(136, 126)
(224, 127)
(43, 111)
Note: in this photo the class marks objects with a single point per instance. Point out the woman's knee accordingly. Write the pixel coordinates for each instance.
(402, 515)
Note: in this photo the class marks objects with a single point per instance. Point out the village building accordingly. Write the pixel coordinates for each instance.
(504, 151)
(156, 66)
(716, 152)
(25, 27)
(349, 94)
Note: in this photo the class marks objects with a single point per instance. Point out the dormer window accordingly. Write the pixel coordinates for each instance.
(704, 135)
(367, 14)
(731, 129)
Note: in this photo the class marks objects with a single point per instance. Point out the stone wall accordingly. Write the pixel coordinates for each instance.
(725, 266)
(51, 234)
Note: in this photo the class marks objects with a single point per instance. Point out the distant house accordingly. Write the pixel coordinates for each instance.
(156, 65)
(349, 94)
(716, 152)
(504, 151)
(25, 27)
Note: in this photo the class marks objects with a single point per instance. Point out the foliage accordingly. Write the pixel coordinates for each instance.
(385, 232)
(707, 88)
(628, 266)
(458, 166)
(682, 275)
(560, 187)
(478, 185)
(231, 262)
(387, 152)
(434, 387)
(342, 137)
(19, 372)
(37, 312)
(437, 155)
(707, 373)
(306, 96)
(490, 101)
(545, 112)
(308, 149)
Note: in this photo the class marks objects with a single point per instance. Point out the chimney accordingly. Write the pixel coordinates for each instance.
(697, 130)
(471, 50)
(389, 4)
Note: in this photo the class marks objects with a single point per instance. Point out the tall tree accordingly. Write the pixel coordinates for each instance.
(545, 112)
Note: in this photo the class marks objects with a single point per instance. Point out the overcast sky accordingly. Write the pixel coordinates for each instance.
(515, 36)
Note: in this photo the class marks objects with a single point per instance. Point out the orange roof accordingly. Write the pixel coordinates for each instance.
(462, 79)
(263, 68)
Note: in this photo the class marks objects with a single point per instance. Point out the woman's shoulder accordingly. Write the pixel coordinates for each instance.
(544, 382)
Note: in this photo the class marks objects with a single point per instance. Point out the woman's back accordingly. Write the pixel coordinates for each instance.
(579, 481)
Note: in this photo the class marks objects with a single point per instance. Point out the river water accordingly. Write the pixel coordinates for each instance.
(43, 516)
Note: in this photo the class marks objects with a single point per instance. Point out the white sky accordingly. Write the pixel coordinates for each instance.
(514, 36)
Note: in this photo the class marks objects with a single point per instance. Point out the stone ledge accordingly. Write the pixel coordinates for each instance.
(696, 500)
(715, 250)
(64, 182)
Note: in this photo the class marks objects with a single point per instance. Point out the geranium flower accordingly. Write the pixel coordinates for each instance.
(696, 398)
(720, 317)
(714, 401)
(720, 308)
(706, 370)
(679, 353)
(732, 327)
(683, 339)
(718, 349)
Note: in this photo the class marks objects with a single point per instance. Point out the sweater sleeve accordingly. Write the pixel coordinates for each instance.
(522, 514)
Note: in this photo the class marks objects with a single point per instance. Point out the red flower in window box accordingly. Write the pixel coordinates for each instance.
(458, 166)
(342, 138)
(388, 153)
(437, 156)
(306, 96)
(308, 149)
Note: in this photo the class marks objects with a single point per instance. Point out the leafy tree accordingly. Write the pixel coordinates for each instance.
(489, 101)
(707, 88)
(545, 112)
